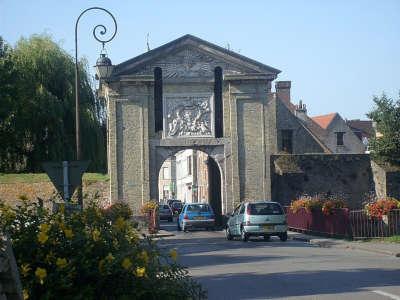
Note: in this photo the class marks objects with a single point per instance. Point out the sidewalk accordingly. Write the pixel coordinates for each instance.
(386, 248)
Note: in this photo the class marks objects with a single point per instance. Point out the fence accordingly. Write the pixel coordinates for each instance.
(354, 224)
(363, 226)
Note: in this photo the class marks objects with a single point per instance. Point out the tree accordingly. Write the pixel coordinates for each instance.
(386, 115)
(38, 107)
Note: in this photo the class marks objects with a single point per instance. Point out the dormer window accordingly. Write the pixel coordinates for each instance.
(339, 138)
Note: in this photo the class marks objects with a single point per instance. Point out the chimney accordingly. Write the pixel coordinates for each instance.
(282, 89)
(301, 111)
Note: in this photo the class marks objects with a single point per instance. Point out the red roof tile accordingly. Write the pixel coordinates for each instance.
(324, 120)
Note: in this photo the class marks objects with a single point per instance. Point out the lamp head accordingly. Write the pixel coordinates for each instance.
(104, 67)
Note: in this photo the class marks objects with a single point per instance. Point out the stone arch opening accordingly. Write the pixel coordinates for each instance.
(192, 176)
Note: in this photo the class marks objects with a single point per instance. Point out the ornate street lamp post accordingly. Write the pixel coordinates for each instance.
(104, 69)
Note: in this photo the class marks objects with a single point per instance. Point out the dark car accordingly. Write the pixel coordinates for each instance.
(176, 207)
(165, 212)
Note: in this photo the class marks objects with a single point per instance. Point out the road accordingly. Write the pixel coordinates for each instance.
(283, 270)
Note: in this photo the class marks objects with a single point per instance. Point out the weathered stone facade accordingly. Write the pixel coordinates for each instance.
(345, 176)
(136, 151)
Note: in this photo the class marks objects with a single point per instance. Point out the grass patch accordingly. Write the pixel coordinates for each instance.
(42, 177)
(392, 239)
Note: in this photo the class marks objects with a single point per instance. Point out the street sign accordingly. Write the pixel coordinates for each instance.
(66, 175)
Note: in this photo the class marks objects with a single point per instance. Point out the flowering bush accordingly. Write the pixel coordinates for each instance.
(307, 202)
(316, 203)
(381, 207)
(148, 206)
(91, 254)
(329, 205)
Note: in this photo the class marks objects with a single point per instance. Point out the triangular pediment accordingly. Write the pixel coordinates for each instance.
(190, 56)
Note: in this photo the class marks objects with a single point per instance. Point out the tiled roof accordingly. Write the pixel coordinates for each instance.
(324, 120)
(365, 126)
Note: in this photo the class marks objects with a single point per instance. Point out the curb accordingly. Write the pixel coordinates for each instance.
(160, 235)
(328, 244)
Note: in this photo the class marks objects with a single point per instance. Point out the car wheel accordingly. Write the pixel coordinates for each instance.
(283, 237)
(267, 237)
(228, 234)
(244, 236)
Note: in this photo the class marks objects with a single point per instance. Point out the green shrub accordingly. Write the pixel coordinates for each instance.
(91, 254)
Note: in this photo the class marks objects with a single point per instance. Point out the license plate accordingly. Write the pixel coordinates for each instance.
(198, 218)
(268, 227)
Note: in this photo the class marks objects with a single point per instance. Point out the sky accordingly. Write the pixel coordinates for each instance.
(338, 54)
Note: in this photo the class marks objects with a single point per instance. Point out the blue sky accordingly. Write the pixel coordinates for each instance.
(338, 54)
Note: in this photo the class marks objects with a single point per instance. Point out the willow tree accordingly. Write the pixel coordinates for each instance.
(40, 108)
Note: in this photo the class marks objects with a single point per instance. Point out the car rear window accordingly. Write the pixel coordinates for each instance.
(177, 204)
(198, 208)
(165, 206)
(264, 209)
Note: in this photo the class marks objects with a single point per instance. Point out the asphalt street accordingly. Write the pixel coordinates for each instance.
(273, 269)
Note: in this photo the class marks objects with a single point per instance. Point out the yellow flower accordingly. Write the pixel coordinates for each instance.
(95, 235)
(173, 254)
(144, 256)
(41, 274)
(42, 237)
(109, 258)
(25, 268)
(61, 263)
(120, 223)
(126, 263)
(25, 294)
(44, 227)
(140, 271)
(68, 233)
(49, 257)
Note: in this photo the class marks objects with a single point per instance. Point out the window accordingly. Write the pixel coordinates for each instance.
(166, 173)
(158, 105)
(287, 141)
(265, 209)
(339, 138)
(241, 210)
(218, 112)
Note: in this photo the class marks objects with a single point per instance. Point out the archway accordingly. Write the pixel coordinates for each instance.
(191, 176)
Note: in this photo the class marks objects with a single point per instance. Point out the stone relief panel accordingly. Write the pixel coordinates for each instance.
(190, 63)
(188, 115)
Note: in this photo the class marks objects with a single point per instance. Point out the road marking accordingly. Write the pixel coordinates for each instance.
(391, 296)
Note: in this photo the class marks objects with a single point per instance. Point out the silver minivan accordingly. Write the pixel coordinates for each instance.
(260, 218)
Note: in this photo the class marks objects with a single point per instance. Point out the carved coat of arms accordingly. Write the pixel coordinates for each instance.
(188, 115)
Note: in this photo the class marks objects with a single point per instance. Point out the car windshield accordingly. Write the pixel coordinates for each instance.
(165, 206)
(177, 204)
(198, 208)
(264, 209)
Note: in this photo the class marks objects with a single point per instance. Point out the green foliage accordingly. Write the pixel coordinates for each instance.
(93, 254)
(37, 111)
(386, 114)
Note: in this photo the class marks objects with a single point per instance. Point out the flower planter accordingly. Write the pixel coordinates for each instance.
(334, 224)
(153, 223)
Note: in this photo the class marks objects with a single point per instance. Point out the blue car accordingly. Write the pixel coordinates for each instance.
(196, 215)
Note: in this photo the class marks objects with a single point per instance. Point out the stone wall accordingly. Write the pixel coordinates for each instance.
(10, 285)
(348, 176)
